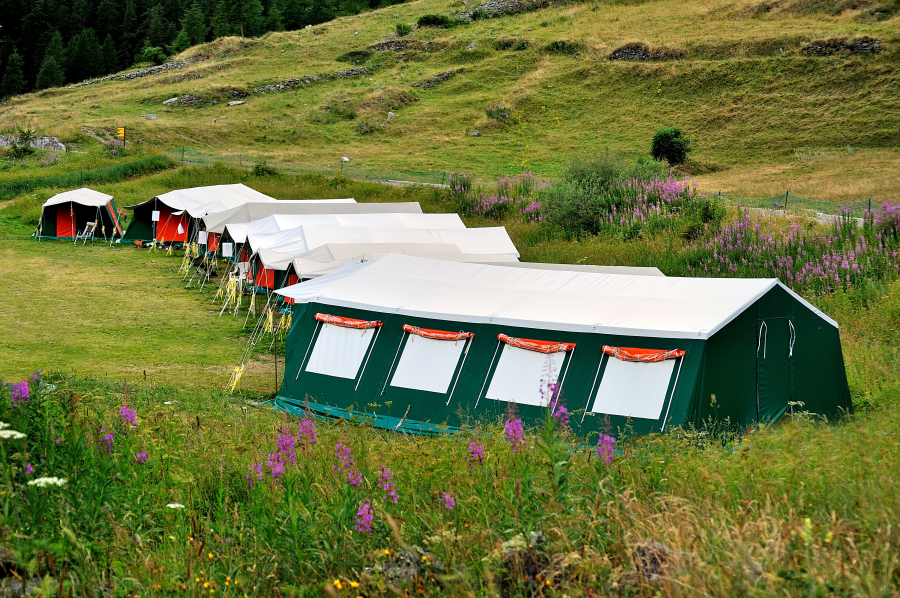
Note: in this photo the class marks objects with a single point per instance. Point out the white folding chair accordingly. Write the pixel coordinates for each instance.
(87, 233)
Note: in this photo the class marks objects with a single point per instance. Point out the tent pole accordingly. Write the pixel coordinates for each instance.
(300, 369)
(672, 396)
(478, 400)
(591, 393)
(402, 336)
(563, 381)
(459, 373)
(371, 350)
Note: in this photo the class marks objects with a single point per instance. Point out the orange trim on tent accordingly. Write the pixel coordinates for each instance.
(440, 335)
(65, 220)
(533, 345)
(114, 216)
(348, 322)
(646, 355)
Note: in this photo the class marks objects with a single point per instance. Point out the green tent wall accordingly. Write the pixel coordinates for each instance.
(774, 352)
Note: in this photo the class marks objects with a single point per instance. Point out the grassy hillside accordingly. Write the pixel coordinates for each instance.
(762, 113)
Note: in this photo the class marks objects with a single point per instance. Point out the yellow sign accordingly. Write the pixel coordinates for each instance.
(120, 132)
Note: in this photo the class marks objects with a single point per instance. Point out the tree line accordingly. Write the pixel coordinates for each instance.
(48, 43)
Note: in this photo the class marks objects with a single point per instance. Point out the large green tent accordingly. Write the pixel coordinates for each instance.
(420, 345)
(65, 215)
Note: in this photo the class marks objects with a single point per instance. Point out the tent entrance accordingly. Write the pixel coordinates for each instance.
(774, 367)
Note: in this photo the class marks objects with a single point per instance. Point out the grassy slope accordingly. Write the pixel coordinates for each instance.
(745, 94)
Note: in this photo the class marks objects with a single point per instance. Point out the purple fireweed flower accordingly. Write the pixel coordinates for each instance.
(354, 478)
(19, 393)
(344, 455)
(476, 455)
(107, 440)
(127, 416)
(275, 463)
(255, 472)
(385, 482)
(515, 434)
(58, 439)
(364, 518)
(561, 414)
(140, 458)
(448, 501)
(606, 447)
(286, 444)
(29, 469)
(307, 433)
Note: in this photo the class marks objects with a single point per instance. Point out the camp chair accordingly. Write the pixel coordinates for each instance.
(87, 233)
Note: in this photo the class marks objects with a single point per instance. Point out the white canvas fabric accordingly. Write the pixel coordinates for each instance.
(635, 270)
(284, 222)
(428, 364)
(305, 268)
(667, 307)
(339, 351)
(492, 240)
(84, 196)
(634, 388)
(524, 377)
(252, 211)
(199, 201)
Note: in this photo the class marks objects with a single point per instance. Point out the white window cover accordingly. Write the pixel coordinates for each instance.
(523, 376)
(634, 388)
(428, 364)
(227, 249)
(339, 351)
(202, 238)
(155, 216)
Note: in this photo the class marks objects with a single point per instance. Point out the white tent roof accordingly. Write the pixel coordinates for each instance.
(84, 196)
(633, 270)
(199, 201)
(493, 240)
(252, 211)
(666, 307)
(283, 222)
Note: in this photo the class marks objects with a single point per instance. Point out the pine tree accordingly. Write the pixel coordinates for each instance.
(56, 49)
(239, 17)
(110, 59)
(274, 20)
(84, 57)
(290, 13)
(193, 25)
(159, 31)
(13, 77)
(51, 74)
(130, 45)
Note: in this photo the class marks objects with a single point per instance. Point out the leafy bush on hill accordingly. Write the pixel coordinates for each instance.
(439, 21)
(670, 145)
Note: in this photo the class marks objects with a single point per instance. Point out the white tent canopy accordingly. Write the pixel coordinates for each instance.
(632, 270)
(252, 211)
(547, 299)
(492, 240)
(199, 201)
(284, 222)
(84, 196)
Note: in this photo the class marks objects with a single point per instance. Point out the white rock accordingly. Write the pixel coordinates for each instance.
(150, 116)
(235, 103)
(472, 46)
(391, 116)
(170, 100)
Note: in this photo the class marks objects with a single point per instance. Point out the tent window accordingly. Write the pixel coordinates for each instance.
(523, 376)
(340, 351)
(634, 388)
(428, 364)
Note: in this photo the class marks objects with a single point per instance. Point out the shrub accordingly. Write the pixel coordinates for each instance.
(403, 29)
(152, 54)
(507, 43)
(670, 145)
(21, 146)
(479, 14)
(366, 128)
(498, 112)
(564, 47)
(355, 56)
(262, 168)
(440, 21)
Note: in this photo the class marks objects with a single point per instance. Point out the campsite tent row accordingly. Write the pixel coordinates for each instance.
(437, 340)
(64, 215)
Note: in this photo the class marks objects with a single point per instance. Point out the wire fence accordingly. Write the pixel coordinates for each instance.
(340, 167)
(789, 201)
(106, 174)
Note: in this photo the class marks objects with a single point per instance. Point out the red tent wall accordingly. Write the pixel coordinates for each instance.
(66, 224)
(167, 227)
(265, 278)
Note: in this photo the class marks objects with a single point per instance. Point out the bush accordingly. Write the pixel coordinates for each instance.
(152, 54)
(510, 44)
(670, 145)
(498, 112)
(564, 47)
(479, 14)
(21, 146)
(355, 56)
(262, 168)
(403, 29)
(440, 21)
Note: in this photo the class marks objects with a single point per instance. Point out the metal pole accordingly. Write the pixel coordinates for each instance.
(785, 200)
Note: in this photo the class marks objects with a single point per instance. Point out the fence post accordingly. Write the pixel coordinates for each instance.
(870, 204)
(785, 200)
(182, 155)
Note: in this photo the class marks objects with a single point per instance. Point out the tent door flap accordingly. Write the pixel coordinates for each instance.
(774, 367)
